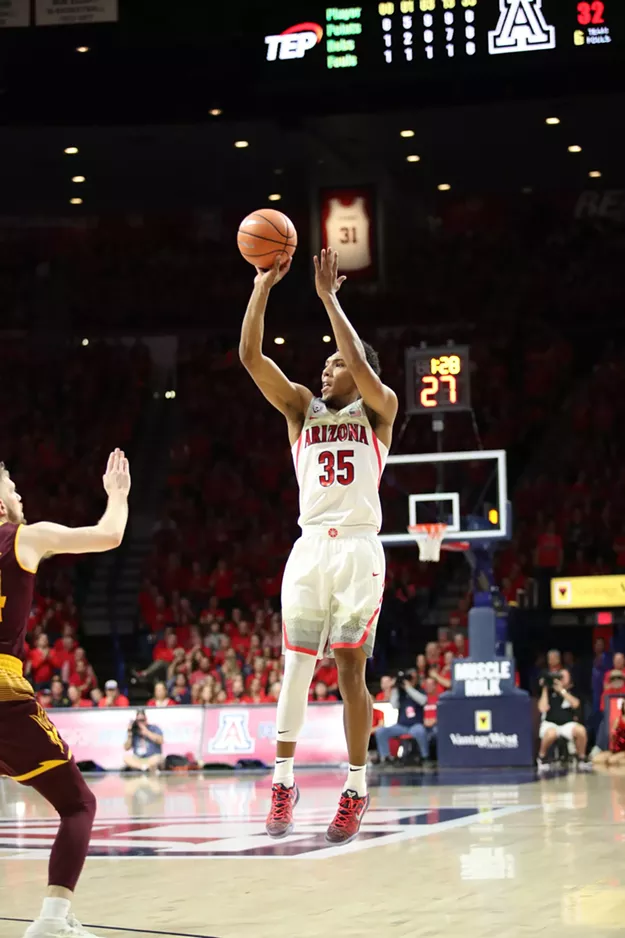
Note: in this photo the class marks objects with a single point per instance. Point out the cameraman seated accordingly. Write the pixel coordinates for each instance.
(410, 703)
(560, 717)
(146, 743)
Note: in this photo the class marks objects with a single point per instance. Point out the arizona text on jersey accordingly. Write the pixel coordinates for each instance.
(339, 462)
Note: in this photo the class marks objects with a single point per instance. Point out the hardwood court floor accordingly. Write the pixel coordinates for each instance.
(489, 855)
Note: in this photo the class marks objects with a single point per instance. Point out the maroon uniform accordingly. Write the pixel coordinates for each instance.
(29, 742)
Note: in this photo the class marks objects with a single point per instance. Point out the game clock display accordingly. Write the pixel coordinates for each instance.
(411, 37)
(438, 380)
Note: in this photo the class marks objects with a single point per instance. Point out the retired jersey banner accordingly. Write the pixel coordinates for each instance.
(210, 734)
(348, 224)
(588, 592)
(70, 12)
(14, 13)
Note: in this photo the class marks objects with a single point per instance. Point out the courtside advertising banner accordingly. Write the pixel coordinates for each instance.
(210, 734)
(14, 13)
(70, 12)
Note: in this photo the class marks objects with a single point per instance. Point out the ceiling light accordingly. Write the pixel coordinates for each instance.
(327, 338)
(595, 174)
(241, 144)
(274, 197)
(71, 150)
(527, 190)
(552, 120)
(278, 340)
(278, 171)
(443, 187)
(82, 48)
(406, 133)
(413, 158)
(85, 342)
(215, 112)
(575, 149)
(78, 178)
(75, 201)
(170, 395)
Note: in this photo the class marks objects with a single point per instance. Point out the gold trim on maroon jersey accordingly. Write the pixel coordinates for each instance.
(16, 547)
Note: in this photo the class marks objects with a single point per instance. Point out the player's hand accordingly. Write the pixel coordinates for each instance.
(268, 278)
(327, 278)
(116, 479)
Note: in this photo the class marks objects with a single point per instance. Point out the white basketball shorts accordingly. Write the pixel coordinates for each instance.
(565, 731)
(332, 590)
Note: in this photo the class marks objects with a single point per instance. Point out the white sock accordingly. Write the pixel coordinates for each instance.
(55, 908)
(283, 772)
(357, 780)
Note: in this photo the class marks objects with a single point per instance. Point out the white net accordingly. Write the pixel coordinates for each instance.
(430, 545)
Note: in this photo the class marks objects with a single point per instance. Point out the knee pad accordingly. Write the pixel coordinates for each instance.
(298, 674)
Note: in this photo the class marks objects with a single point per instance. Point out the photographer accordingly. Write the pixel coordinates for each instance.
(144, 745)
(560, 715)
(409, 703)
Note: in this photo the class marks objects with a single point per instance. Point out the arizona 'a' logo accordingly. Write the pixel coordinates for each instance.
(233, 735)
(521, 28)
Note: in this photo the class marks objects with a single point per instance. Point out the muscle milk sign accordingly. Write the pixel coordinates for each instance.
(483, 678)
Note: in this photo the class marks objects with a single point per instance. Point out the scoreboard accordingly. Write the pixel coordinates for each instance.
(417, 37)
(438, 380)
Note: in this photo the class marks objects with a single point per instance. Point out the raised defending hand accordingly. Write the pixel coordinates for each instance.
(268, 278)
(116, 479)
(327, 279)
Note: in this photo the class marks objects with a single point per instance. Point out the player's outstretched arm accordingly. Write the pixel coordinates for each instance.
(290, 399)
(45, 538)
(376, 395)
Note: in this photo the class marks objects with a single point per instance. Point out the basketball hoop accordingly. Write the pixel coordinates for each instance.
(430, 545)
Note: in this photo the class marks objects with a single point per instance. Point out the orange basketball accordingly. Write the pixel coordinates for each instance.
(265, 235)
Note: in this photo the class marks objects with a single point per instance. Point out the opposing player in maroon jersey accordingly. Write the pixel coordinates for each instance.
(31, 749)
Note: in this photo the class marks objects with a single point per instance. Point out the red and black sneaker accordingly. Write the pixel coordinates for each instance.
(347, 820)
(280, 818)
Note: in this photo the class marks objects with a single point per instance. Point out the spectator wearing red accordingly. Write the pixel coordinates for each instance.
(327, 672)
(212, 639)
(75, 699)
(430, 708)
(386, 686)
(64, 658)
(161, 616)
(161, 698)
(259, 672)
(222, 584)
(96, 696)
(548, 552)
(67, 631)
(112, 696)
(433, 657)
(83, 678)
(236, 693)
(461, 645)
(422, 669)
(241, 639)
(202, 672)
(225, 646)
(446, 675)
(255, 650)
(255, 693)
(320, 694)
(273, 637)
(274, 692)
(40, 665)
(614, 680)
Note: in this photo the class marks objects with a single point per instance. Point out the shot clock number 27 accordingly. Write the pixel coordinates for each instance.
(438, 380)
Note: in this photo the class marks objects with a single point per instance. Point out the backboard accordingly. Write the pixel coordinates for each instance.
(466, 490)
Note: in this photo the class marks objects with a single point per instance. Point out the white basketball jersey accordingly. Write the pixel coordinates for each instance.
(338, 463)
(347, 231)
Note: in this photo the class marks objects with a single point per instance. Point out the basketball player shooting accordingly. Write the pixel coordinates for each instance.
(334, 578)
(31, 749)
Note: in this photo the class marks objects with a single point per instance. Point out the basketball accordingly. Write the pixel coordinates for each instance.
(265, 235)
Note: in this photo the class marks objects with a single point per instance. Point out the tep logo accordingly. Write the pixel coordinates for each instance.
(483, 721)
(562, 592)
(294, 42)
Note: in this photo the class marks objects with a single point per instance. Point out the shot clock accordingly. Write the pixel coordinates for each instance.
(438, 380)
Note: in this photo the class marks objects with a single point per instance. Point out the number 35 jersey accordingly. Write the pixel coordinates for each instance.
(338, 463)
